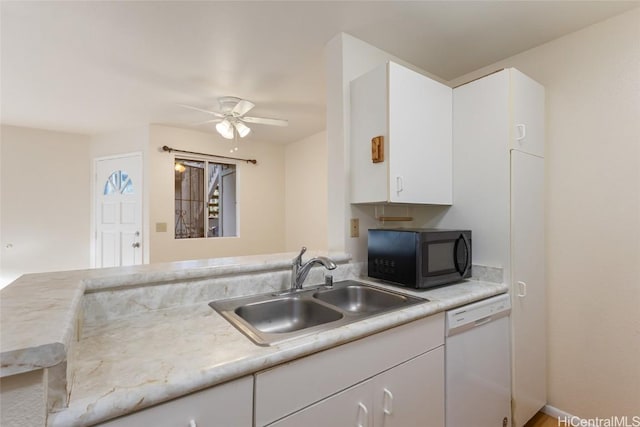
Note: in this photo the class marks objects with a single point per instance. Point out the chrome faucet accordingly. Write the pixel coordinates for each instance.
(300, 271)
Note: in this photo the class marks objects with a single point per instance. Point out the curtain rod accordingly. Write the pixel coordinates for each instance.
(169, 150)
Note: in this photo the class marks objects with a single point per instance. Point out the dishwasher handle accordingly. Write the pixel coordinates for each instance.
(482, 321)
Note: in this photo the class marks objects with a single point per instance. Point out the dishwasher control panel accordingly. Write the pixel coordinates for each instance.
(478, 313)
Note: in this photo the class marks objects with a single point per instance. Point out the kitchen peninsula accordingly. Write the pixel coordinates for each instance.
(109, 342)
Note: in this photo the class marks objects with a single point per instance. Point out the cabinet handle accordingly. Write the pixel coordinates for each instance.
(522, 132)
(192, 423)
(388, 402)
(399, 184)
(522, 289)
(363, 409)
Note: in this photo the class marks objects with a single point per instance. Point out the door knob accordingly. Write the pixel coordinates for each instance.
(136, 245)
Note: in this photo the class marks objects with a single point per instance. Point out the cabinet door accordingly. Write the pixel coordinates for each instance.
(369, 180)
(351, 407)
(528, 314)
(420, 138)
(411, 394)
(527, 98)
(289, 387)
(229, 404)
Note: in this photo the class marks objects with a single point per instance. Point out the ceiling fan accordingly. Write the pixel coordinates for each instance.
(231, 118)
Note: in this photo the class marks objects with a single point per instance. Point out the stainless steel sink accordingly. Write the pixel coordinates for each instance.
(361, 299)
(286, 314)
(269, 319)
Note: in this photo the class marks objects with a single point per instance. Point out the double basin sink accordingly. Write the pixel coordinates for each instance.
(269, 319)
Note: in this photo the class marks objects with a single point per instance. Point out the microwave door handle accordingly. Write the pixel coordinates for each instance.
(462, 271)
(467, 249)
(455, 255)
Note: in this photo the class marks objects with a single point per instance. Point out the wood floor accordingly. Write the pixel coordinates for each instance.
(542, 420)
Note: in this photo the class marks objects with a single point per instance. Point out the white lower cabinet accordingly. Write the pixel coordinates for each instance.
(411, 394)
(225, 405)
(393, 378)
(352, 407)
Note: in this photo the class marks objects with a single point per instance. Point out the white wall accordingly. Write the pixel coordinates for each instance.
(306, 193)
(261, 197)
(45, 180)
(120, 142)
(592, 81)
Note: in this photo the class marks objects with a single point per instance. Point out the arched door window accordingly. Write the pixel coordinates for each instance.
(118, 183)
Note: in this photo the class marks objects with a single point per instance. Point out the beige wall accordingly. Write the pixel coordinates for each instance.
(592, 81)
(261, 197)
(45, 219)
(306, 193)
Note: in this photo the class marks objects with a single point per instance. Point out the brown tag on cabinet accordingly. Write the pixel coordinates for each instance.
(377, 149)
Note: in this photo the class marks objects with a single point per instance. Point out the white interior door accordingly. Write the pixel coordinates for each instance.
(528, 315)
(118, 211)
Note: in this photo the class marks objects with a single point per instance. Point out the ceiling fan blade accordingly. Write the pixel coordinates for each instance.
(265, 121)
(242, 107)
(214, 113)
(205, 122)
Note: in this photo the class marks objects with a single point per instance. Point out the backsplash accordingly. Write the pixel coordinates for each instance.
(487, 274)
(105, 304)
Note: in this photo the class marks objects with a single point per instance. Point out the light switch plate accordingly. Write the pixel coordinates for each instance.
(161, 227)
(355, 227)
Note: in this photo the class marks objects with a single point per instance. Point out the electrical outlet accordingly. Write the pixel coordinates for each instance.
(355, 227)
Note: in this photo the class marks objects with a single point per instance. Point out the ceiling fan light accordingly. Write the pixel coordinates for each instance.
(243, 130)
(225, 129)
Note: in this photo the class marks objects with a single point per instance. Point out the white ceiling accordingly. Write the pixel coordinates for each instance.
(92, 67)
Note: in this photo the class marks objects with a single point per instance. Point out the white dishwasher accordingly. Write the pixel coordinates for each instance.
(478, 368)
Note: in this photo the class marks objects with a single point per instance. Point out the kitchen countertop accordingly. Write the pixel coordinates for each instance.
(142, 360)
(145, 353)
(38, 311)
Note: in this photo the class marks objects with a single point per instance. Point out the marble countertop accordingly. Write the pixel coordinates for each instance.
(38, 311)
(135, 362)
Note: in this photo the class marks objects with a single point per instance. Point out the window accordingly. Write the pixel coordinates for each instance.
(118, 182)
(205, 199)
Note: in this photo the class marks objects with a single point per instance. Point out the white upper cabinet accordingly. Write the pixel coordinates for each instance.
(527, 101)
(413, 115)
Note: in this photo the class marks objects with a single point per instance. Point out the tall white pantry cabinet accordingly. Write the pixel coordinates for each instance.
(498, 152)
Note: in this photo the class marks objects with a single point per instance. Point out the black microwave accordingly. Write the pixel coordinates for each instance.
(419, 257)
